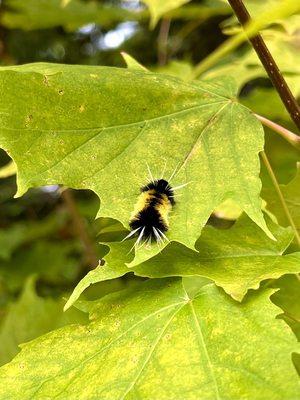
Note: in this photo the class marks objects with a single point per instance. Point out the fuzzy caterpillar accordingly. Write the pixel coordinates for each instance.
(150, 216)
(150, 219)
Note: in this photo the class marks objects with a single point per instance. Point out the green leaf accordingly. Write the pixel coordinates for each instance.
(255, 8)
(22, 233)
(54, 262)
(131, 63)
(237, 259)
(180, 69)
(283, 158)
(8, 170)
(42, 14)
(228, 210)
(282, 9)
(291, 194)
(200, 11)
(158, 8)
(206, 347)
(288, 299)
(114, 267)
(283, 45)
(110, 230)
(97, 128)
(234, 264)
(31, 316)
(10, 239)
(273, 108)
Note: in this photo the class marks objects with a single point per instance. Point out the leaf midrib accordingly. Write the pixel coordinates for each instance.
(125, 125)
(202, 342)
(101, 130)
(212, 258)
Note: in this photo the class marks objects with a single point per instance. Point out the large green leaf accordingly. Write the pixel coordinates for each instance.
(31, 316)
(206, 347)
(98, 127)
(41, 14)
(236, 259)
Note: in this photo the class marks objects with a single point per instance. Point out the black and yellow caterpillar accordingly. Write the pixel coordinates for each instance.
(150, 218)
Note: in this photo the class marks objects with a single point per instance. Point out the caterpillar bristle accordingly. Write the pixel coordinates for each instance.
(150, 173)
(157, 235)
(163, 236)
(131, 234)
(140, 236)
(173, 173)
(180, 186)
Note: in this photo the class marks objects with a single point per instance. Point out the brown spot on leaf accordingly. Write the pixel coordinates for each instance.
(28, 119)
(45, 80)
(22, 365)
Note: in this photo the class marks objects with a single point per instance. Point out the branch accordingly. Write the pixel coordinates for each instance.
(269, 63)
(291, 137)
(162, 41)
(79, 225)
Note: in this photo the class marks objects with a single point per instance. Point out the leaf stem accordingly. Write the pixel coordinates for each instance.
(291, 137)
(79, 224)
(162, 41)
(280, 195)
(269, 63)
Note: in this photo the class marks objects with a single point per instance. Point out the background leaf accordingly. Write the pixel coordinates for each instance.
(56, 263)
(291, 194)
(158, 8)
(237, 259)
(283, 45)
(31, 316)
(36, 14)
(288, 299)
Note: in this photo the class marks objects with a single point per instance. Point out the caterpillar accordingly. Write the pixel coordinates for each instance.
(150, 218)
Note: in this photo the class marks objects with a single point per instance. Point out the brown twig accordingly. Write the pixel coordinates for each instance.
(291, 137)
(162, 41)
(269, 63)
(79, 224)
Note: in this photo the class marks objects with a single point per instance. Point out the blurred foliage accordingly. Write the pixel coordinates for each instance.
(42, 254)
(31, 316)
(68, 14)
